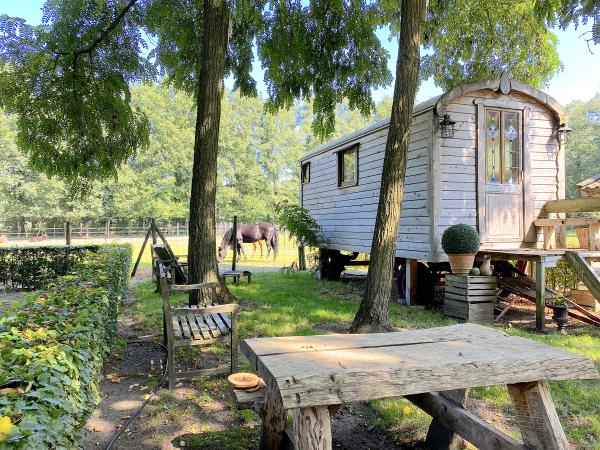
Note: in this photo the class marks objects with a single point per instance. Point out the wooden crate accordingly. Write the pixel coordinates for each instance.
(470, 298)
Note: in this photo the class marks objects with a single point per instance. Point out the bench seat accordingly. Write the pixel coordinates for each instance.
(236, 274)
(196, 329)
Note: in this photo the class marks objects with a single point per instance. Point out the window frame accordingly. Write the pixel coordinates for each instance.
(305, 175)
(340, 166)
(502, 111)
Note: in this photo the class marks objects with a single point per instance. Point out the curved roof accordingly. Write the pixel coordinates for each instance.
(504, 85)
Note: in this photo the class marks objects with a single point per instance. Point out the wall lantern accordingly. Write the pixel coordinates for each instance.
(447, 126)
(563, 133)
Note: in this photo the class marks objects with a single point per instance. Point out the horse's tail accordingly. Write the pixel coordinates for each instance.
(275, 242)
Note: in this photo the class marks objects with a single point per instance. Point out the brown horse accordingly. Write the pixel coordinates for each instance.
(251, 233)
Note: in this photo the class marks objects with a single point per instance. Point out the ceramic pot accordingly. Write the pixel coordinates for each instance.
(461, 264)
(486, 268)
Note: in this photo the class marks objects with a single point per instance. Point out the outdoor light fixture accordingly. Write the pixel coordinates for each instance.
(563, 133)
(447, 126)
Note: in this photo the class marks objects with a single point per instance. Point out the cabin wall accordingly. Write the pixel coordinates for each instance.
(347, 215)
(459, 161)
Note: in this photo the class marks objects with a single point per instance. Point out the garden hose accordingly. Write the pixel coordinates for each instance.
(152, 394)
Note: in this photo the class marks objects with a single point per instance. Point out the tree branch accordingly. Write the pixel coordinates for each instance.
(90, 48)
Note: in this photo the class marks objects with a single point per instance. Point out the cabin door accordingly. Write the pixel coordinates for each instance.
(501, 183)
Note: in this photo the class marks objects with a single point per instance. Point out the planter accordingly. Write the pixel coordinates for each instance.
(461, 264)
(560, 315)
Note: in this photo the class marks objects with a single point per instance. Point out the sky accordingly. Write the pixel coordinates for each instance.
(579, 79)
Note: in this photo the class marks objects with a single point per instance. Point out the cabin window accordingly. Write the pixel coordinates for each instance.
(503, 146)
(348, 167)
(305, 173)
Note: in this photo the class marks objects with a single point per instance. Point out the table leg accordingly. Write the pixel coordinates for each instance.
(274, 420)
(312, 428)
(540, 295)
(440, 437)
(538, 420)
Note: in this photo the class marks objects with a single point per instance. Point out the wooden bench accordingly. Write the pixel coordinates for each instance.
(433, 368)
(197, 325)
(176, 271)
(570, 205)
(236, 274)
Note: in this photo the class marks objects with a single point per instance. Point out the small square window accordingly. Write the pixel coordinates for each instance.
(305, 173)
(348, 166)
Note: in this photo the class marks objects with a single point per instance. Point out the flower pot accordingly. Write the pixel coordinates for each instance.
(461, 264)
(560, 315)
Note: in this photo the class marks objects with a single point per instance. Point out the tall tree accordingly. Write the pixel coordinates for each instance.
(583, 150)
(460, 40)
(68, 79)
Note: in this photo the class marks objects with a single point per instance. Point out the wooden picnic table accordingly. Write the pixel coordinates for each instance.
(433, 368)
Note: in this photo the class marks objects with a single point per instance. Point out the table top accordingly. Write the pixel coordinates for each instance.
(339, 368)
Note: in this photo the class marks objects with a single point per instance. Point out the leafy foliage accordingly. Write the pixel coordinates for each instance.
(51, 352)
(566, 12)
(75, 120)
(33, 267)
(459, 239)
(469, 40)
(299, 224)
(583, 147)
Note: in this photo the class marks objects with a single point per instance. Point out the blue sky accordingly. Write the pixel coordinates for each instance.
(579, 80)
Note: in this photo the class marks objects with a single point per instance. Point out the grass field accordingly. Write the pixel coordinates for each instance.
(279, 304)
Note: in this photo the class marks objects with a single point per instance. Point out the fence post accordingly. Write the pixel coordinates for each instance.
(234, 238)
(301, 258)
(68, 232)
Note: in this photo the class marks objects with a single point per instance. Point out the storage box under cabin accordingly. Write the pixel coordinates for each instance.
(496, 171)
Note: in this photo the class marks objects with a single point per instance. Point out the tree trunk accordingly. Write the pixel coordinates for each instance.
(202, 233)
(372, 314)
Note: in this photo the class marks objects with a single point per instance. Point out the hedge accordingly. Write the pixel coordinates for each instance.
(52, 351)
(33, 267)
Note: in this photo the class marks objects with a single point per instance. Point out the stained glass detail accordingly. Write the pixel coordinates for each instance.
(503, 146)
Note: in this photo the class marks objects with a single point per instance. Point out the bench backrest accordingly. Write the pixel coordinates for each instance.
(166, 257)
(573, 205)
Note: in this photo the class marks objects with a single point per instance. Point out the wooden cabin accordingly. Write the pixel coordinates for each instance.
(589, 188)
(495, 170)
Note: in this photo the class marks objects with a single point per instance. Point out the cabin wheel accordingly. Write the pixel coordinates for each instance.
(425, 284)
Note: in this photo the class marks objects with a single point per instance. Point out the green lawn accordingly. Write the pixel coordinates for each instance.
(278, 304)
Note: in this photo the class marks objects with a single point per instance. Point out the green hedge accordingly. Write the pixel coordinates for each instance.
(33, 267)
(52, 350)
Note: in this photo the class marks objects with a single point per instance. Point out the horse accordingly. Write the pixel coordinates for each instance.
(250, 233)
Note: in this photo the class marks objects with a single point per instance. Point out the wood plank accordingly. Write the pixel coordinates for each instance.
(470, 291)
(466, 424)
(222, 326)
(314, 371)
(176, 327)
(568, 221)
(226, 319)
(573, 205)
(196, 334)
(471, 298)
(185, 327)
(214, 329)
(203, 327)
(248, 400)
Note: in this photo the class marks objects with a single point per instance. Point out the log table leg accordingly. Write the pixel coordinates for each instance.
(538, 420)
(312, 428)
(440, 437)
(274, 420)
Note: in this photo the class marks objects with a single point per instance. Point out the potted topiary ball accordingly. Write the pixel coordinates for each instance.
(461, 244)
